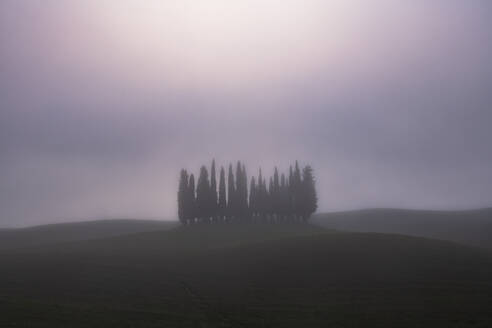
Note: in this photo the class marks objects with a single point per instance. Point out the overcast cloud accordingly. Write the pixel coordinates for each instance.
(102, 102)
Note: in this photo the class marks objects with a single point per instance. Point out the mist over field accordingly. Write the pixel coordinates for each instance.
(102, 102)
(246, 163)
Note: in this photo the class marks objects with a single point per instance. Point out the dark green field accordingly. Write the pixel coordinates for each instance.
(232, 275)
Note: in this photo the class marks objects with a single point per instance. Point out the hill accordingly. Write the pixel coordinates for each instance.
(65, 232)
(472, 227)
(288, 275)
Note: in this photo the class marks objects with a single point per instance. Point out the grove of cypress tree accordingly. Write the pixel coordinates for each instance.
(283, 198)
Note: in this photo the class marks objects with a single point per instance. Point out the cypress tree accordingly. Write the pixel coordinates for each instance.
(191, 200)
(244, 193)
(252, 198)
(260, 197)
(182, 196)
(241, 200)
(239, 187)
(284, 197)
(290, 208)
(203, 195)
(271, 193)
(276, 205)
(231, 193)
(213, 192)
(309, 197)
(297, 191)
(222, 194)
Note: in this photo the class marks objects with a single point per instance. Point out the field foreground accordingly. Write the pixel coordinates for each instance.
(289, 275)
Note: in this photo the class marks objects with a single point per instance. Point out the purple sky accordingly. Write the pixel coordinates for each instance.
(102, 102)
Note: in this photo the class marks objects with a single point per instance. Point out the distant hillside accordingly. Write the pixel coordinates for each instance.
(232, 275)
(65, 232)
(472, 227)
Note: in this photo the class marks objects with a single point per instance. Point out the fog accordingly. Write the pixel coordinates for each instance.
(102, 102)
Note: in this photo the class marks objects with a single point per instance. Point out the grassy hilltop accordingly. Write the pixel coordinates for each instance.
(250, 275)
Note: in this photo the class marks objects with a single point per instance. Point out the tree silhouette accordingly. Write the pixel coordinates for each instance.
(231, 194)
(296, 192)
(275, 194)
(213, 192)
(261, 197)
(290, 191)
(203, 195)
(222, 195)
(270, 202)
(309, 203)
(182, 197)
(252, 199)
(241, 210)
(283, 198)
(291, 198)
(191, 200)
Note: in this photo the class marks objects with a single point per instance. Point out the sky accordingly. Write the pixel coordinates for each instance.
(103, 101)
